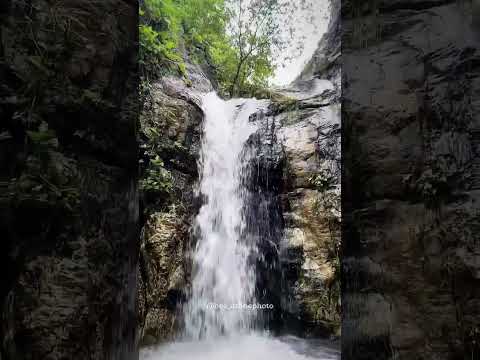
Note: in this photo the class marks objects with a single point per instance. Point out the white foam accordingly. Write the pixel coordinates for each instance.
(251, 347)
(222, 274)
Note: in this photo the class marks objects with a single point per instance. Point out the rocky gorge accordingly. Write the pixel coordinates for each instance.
(104, 262)
(362, 185)
(172, 109)
(295, 177)
(410, 185)
(68, 180)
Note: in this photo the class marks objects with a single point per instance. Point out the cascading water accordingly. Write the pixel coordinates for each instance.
(219, 324)
(223, 280)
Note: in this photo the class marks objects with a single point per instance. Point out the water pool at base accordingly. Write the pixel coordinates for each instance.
(245, 347)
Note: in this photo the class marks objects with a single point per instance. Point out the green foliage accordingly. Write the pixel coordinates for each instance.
(159, 34)
(157, 179)
(43, 138)
(323, 181)
(168, 28)
(257, 33)
(168, 25)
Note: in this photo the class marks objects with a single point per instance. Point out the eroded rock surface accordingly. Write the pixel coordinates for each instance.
(293, 207)
(298, 161)
(171, 128)
(68, 180)
(412, 255)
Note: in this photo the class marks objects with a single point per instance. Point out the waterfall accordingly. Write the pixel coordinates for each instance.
(223, 280)
(218, 323)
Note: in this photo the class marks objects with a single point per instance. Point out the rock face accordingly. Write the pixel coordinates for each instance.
(326, 61)
(294, 185)
(411, 183)
(298, 168)
(171, 128)
(68, 187)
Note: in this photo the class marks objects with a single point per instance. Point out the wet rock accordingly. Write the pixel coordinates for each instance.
(68, 189)
(170, 133)
(161, 272)
(298, 163)
(411, 180)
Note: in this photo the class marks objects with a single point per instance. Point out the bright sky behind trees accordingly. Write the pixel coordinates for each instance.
(310, 25)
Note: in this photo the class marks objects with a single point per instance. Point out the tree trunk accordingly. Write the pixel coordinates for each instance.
(235, 79)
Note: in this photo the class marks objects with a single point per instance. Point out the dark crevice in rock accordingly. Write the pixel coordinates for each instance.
(422, 5)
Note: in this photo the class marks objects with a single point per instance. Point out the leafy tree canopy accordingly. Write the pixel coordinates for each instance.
(239, 38)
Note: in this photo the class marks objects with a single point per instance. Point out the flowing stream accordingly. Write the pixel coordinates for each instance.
(221, 316)
(223, 281)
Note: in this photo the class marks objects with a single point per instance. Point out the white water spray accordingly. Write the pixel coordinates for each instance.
(222, 275)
